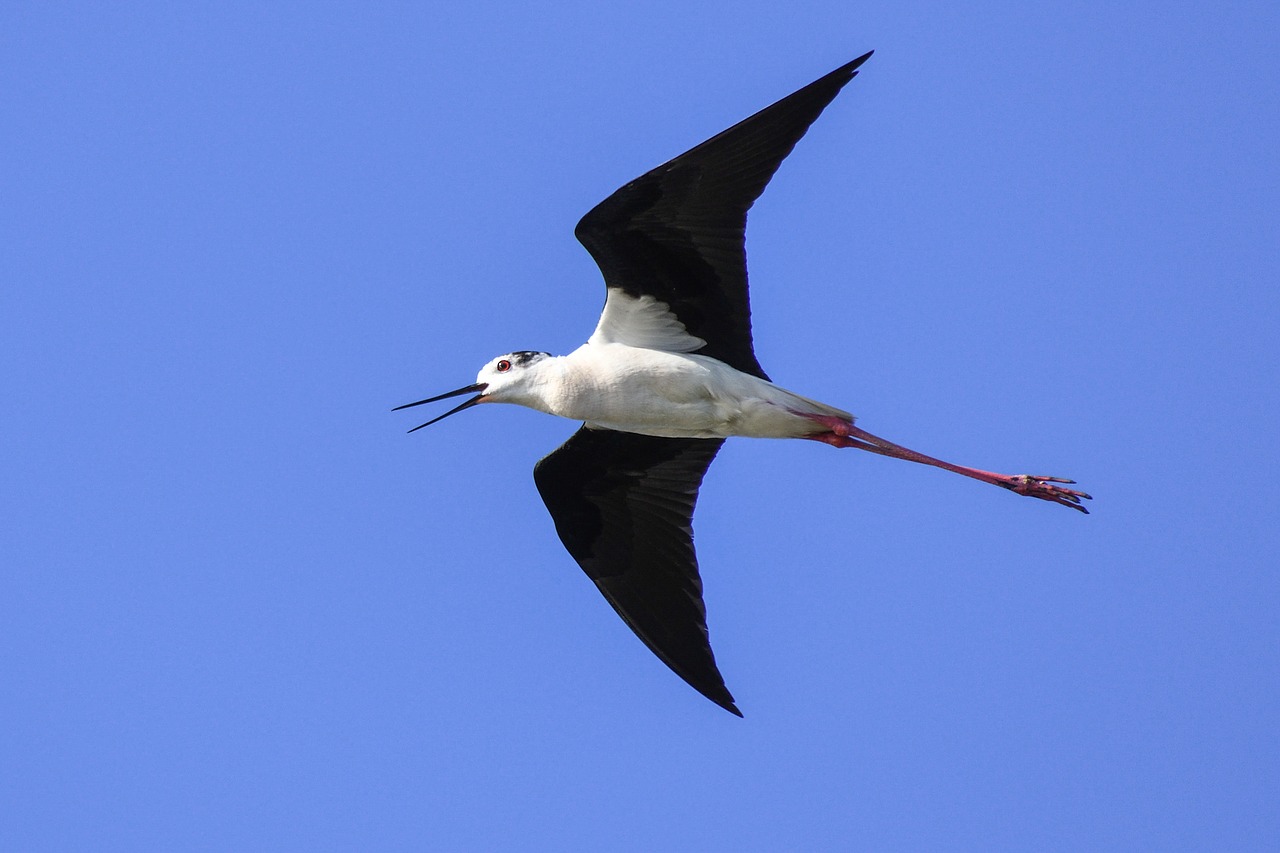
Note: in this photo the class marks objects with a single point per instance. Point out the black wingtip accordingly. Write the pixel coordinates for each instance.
(850, 69)
(840, 76)
(718, 694)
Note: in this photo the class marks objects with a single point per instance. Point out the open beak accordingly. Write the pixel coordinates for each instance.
(479, 386)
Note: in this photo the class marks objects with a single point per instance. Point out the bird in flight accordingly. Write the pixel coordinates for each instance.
(668, 374)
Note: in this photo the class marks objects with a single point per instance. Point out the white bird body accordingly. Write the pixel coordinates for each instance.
(668, 374)
(655, 392)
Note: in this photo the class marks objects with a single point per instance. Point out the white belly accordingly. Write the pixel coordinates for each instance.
(678, 396)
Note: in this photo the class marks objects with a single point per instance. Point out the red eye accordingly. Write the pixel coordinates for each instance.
(503, 366)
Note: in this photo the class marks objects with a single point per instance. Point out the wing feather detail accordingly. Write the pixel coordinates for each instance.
(677, 233)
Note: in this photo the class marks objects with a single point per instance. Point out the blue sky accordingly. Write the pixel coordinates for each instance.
(241, 610)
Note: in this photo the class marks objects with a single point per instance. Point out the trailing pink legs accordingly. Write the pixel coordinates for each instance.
(844, 434)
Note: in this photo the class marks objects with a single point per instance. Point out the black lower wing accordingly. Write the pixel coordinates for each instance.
(623, 506)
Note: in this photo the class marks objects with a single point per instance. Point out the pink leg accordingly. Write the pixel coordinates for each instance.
(843, 434)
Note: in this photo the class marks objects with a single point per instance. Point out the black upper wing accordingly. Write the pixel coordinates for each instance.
(623, 506)
(677, 232)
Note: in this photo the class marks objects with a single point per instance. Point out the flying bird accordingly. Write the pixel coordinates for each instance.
(668, 374)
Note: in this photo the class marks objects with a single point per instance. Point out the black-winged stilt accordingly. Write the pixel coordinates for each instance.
(668, 374)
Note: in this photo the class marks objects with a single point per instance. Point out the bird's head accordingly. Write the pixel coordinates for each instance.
(508, 378)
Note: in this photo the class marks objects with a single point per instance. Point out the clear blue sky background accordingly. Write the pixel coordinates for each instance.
(241, 610)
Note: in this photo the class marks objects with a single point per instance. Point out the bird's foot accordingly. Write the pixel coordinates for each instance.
(1047, 489)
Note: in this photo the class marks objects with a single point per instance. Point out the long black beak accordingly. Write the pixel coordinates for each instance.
(479, 386)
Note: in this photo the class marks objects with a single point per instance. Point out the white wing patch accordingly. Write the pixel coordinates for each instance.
(642, 322)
